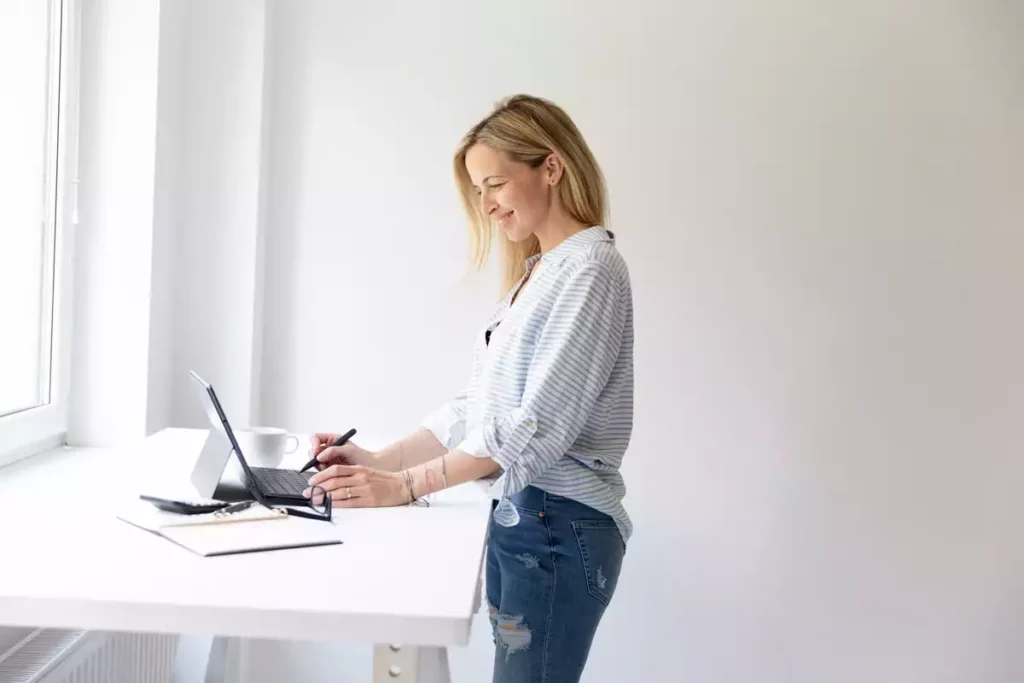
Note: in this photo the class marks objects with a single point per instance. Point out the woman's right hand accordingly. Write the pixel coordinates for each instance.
(348, 454)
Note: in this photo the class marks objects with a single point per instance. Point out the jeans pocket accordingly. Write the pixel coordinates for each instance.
(530, 512)
(602, 549)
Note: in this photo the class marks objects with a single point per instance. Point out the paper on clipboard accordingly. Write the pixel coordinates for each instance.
(254, 529)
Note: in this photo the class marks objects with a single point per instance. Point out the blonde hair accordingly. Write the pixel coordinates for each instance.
(528, 129)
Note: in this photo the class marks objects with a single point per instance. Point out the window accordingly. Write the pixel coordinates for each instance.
(37, 130)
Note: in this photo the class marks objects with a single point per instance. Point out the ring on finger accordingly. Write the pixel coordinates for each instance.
(348, 492)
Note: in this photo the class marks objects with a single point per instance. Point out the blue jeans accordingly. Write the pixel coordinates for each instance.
(549, 579)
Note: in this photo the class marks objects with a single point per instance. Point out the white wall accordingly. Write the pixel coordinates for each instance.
(364, 242)
(822, 212)
(114, 241)
(218, 232)
(168, 177)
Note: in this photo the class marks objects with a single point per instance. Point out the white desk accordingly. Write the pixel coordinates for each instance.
(404, 575)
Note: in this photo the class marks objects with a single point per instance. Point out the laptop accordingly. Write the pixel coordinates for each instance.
(277, 486)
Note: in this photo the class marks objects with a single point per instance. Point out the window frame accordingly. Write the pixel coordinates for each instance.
(41, 428)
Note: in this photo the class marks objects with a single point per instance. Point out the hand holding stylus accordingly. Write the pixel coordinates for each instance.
(334, 449)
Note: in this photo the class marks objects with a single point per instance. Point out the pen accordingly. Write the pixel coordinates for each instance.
(235, 507)
(342, 440)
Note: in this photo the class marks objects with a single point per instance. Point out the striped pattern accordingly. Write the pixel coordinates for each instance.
(550, 397)
(67, 656)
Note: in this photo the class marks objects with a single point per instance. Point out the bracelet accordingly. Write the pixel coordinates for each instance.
(444, 471)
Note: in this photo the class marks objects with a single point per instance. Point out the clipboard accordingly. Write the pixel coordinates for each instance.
(254, 529)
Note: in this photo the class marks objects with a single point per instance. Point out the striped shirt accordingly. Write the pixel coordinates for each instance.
(550, 396)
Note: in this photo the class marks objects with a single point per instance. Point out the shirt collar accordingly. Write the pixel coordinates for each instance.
(572, 245)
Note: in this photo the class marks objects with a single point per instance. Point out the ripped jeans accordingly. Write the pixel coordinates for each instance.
(549, 579)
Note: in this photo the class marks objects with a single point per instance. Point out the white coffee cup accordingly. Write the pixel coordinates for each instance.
(266, 446)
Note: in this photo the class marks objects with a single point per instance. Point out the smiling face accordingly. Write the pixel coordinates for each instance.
(516, 196)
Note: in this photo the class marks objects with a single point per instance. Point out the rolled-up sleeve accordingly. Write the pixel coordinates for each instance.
(448, 423)
(574, 357)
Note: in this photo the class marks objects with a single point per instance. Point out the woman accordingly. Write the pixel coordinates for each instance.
(548, 410)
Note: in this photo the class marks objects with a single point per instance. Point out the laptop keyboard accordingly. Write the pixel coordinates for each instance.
(281, 483)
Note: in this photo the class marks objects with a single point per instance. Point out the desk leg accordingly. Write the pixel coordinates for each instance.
(409, 664)
(201, 659)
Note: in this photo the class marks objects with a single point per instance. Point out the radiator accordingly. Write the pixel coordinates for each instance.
(63, 656)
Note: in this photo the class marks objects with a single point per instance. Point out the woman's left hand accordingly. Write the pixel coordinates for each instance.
(355, 486)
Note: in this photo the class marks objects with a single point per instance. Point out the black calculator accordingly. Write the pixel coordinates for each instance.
(183, 507)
